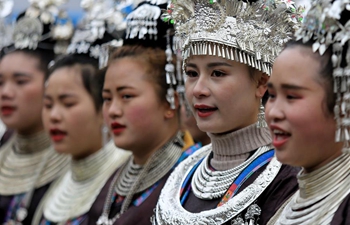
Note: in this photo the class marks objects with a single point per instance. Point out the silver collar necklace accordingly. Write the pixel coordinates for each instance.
(170, 211)
(321, 192)
(208, 184)
(157, 166)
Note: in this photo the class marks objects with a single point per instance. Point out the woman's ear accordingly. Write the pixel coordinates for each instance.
(262, 79)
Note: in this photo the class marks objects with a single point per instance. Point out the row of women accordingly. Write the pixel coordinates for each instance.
(94, 125)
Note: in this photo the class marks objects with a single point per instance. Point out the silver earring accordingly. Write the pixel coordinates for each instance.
(105, 134)
(261, 116)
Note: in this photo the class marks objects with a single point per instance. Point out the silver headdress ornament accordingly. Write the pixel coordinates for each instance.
(145, 27)
(322, 27)
(144, 20)
(6, 28)
(29, 30)
(101, 17)
(250, 33)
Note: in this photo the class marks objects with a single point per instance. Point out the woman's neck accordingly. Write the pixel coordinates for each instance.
(141, 159)
(31, 130)
(142, 154)
(231, 149)
(336, 151)
(87, 167)
(86, 153)
(37, 142)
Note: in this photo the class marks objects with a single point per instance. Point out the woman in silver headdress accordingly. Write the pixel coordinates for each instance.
(308, 114)
(72, 116)
(28, 163)
(228, 49)
(142, 111)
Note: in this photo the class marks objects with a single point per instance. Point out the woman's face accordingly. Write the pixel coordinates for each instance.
(69, 114)
(133, 111)
(303, 130)
(222, 94)
(21, 91)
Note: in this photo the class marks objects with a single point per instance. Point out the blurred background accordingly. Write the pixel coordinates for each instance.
(73, 8)
(75, 11)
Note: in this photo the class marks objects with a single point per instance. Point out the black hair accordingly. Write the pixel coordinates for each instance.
(91, 76)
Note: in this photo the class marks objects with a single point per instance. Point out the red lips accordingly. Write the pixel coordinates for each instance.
(57, 135)
(204, 110)
(7, 110)
(280, 136)
(117, 128)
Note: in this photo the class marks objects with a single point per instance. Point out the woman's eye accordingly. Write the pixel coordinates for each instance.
(291, 97)
(47, 106)
(20, 82)
(191, 73)
(271, 95)
(126, 96)
(105, 99)
(69, 104)
(217, 73)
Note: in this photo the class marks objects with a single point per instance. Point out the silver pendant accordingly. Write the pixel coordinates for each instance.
(103, 220)
(237, 221)
(21, 214)
(252, 212)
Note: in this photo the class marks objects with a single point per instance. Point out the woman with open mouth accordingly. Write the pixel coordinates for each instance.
(228, 55)
(72, 116)
(28, 162)
(308, 115)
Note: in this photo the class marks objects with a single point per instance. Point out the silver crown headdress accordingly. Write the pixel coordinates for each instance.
(322, 27)
(29, 29)
(250, 33)
(101, 17)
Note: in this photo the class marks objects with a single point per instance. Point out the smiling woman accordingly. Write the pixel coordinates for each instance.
(308, 115)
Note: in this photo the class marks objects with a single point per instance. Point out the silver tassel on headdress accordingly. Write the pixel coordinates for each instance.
(170, 73)
(346, 105)
(261, 116)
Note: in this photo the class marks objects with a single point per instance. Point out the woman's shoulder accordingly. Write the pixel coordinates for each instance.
(288, 173)
(5, 137)
(342, 215)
